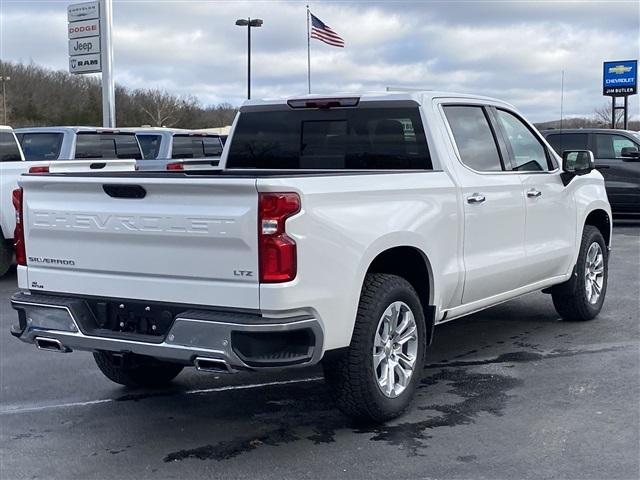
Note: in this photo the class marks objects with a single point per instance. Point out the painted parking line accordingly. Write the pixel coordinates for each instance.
(40, 408)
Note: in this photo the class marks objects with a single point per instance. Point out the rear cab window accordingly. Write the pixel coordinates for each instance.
(150, 145)
(9, 150)
(196, 146)
(41, 145)
(352, 138)
(107, 145)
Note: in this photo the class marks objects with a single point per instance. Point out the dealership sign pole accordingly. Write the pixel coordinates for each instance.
(91, 51)
(620, 79)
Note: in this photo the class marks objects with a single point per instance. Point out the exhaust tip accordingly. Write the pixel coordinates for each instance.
(215, 365)
(51, 344)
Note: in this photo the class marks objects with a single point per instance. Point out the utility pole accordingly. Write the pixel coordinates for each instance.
(4, 80)
(108, 82)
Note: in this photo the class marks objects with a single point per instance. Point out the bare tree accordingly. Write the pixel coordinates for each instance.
(603, 116)
(161, 108)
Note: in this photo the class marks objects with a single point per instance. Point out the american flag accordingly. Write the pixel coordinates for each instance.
(322, 32)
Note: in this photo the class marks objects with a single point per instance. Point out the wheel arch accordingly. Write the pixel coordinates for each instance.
(600, 219)
(413, 265)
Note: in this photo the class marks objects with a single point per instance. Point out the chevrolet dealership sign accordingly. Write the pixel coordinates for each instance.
(620, 78)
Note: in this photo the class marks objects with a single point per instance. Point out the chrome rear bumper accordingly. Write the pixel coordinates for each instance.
(239, 340)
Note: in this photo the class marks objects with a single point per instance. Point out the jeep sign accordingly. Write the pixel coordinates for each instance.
(83, 46)
(85, 63)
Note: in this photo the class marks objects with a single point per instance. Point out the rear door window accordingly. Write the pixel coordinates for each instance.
(150, 145)
(340, 138)
(9, 151)
(41, 146)
(107, 146)
(568, 141)
(474, 138)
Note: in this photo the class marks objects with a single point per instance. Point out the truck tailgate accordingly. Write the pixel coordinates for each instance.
(168, 239)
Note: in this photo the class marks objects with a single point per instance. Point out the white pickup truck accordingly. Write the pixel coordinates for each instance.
(339, 229)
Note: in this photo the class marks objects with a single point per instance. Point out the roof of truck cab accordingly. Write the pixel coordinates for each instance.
(67, 129)
(5, 127)
(167, 131)
(550, 131)
(419, 96)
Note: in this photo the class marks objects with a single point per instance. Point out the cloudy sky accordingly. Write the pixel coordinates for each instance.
(514, 50)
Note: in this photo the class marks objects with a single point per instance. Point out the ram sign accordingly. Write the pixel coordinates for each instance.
(85, 64)
(620, 78)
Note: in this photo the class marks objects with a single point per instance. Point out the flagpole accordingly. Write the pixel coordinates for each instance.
(308, 53)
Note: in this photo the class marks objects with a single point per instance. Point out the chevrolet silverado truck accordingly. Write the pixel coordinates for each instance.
(339, 230)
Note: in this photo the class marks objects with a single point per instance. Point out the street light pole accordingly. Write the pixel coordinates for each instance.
(256, 22)
(4, 80)
(249, 60)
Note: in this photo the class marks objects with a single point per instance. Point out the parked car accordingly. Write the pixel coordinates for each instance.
(378, 217)
(11, 166)
(160, 145)
(617, 158)
(70, 143)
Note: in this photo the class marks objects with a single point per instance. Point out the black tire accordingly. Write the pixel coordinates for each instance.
(575, 306)
(136, 370)
(6, 255)
(350, 372)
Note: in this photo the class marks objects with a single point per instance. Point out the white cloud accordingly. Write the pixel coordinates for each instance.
(513, 50)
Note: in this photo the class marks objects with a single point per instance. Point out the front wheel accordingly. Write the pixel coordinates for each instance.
(585, 302)
(136, 370)
(375, 378)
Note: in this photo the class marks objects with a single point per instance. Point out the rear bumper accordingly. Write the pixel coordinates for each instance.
(240, 341)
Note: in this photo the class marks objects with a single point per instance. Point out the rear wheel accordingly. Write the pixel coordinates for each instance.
(585, 302)
(136, 370)
(6, 255)
(375, 378)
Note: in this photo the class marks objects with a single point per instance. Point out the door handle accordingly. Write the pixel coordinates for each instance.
(601, 167)
(476, 198)
(533, 193)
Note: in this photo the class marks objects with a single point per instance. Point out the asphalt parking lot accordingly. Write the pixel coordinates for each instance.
(512, 392)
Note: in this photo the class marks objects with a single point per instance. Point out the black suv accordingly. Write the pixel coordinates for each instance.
(617, 158)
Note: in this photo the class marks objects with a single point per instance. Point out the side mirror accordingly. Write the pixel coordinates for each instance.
(576, 162)
(630, 152)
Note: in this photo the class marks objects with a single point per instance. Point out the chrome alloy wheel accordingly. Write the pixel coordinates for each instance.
(594, 273)
(395, 349)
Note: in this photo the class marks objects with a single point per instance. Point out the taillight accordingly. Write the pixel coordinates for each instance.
(18, 233)
(39, 169)
(277, 251)
(175, 166)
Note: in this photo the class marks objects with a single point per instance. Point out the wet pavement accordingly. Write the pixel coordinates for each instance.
(512, 392)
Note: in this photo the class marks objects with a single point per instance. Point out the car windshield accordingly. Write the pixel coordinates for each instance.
(339, 138)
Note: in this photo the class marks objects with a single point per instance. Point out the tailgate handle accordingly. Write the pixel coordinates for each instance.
(124, 191)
